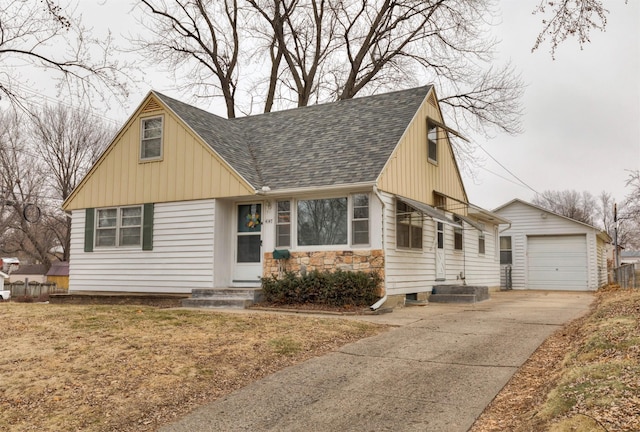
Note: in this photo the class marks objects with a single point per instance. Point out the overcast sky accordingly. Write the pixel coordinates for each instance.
(582, 110)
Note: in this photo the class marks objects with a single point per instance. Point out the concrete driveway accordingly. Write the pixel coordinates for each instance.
(436, 371)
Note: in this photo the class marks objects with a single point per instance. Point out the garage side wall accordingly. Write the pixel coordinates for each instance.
(528, 221)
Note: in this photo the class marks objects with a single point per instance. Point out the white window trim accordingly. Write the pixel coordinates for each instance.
(419, 250)
(142, 122)
(320, 248)
(430, 159)
(482, 237)
(117, 228)
(455, 231)
(353, 219)
(290, 223)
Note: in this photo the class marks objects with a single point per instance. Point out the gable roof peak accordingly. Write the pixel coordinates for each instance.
(342, 142)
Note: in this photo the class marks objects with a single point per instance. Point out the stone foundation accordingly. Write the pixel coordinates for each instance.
(365, 260)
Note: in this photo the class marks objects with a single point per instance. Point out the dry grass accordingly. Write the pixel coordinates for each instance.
(586, 377)
(126, 368)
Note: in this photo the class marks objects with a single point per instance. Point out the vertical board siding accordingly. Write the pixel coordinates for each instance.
(189, 170)
(529, 221)
(414, 271)
(182, 256)
(409, 173)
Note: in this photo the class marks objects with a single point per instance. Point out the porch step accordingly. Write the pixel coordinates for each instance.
(458, 294)
(239, 298)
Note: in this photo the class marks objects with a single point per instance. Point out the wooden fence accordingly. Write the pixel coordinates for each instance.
(32, 289)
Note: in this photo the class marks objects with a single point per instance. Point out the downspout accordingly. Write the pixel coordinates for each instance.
(380, 302)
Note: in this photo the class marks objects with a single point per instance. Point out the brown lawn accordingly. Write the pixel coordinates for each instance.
(126, 368)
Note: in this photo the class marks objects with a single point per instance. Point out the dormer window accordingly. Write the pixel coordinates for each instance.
(151, 138)
(432, 142)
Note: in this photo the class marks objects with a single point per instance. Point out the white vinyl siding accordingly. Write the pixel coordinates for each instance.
(528, 221)
(413, 271)
(182, 256)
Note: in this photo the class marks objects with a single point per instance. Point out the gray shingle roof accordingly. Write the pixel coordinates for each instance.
(343, 142)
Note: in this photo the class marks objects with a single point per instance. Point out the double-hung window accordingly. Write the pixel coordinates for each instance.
(119, 227)
(506, 253)
(481, 243)
(458, 234)
(408, 227)
(283, 224)
(360, 219)
(151, 138)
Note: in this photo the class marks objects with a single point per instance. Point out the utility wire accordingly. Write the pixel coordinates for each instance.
(508, 170)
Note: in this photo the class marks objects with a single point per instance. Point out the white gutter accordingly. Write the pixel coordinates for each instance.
(380, 302)
(266, 190)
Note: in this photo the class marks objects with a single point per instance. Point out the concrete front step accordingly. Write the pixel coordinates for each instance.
(223, 298)
(451, 298)
(458, 294)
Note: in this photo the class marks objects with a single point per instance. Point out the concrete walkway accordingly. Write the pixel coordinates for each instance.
(436, 371)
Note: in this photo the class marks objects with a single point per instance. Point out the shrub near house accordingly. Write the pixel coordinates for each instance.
(339, 288)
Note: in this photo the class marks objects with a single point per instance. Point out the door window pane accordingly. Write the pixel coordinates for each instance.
(249, 217)
(249, 248)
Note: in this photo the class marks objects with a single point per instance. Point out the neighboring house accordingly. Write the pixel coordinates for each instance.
(32, 272)
(59, 274)
(629, 257)
(184, 199)
(548, 251)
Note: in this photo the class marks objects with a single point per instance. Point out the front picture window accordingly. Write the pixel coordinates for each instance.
(322, 222)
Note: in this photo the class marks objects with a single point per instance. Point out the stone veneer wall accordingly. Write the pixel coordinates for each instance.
(365, 260)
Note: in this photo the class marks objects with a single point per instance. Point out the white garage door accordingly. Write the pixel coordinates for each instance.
(557, 262)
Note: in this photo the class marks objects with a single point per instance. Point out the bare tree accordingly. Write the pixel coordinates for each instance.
(68, 141)
(47, 36)
(306, 51)
(199, 36)
(567, 19)
(631, 213)
(569, 203)
(21, 183)
(626, 226)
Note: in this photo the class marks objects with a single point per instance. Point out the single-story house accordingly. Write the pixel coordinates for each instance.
(31, 272)
(183, 199)
(543, 250)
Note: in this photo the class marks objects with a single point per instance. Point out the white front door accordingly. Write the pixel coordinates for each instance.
(248, 244)
(441, 268)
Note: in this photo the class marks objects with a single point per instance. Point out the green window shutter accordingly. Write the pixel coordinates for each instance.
(147, 227)
(89, 224)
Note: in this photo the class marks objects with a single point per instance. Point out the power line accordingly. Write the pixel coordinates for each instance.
(508, 170)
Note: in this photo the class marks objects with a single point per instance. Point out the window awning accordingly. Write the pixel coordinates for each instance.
(427, 210)
(477, 225)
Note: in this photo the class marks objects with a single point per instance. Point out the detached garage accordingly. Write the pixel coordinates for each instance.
(542, 250)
